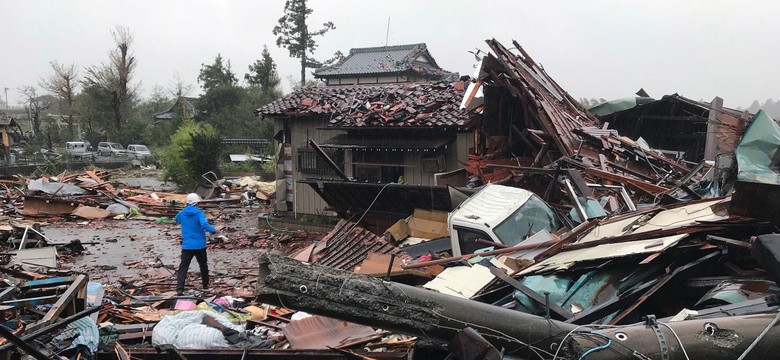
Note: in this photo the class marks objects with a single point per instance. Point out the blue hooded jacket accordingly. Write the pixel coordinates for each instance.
(193, 226)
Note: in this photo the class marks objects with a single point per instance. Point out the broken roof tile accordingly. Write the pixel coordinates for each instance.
(378, 105)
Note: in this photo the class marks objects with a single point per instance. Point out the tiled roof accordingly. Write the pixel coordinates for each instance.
(391, 105)
(347, 245)
(383, 60)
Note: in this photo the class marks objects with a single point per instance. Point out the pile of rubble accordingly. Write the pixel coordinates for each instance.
(593, 245)
(567, 241)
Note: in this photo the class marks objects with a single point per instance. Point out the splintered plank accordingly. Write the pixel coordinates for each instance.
(105, 184)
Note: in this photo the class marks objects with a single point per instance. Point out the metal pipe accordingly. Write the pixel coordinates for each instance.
(504, 250)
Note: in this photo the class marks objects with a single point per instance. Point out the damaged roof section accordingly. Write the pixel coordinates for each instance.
(550, 108)
(420, 105)
(347, 245)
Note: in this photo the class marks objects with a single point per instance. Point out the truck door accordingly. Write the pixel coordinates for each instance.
(467, 240)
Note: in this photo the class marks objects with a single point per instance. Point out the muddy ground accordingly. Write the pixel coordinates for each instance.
(147, 251)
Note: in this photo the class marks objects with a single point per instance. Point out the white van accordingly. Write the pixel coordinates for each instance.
(78, 148)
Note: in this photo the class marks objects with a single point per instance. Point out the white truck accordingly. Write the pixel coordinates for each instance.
(501, 214)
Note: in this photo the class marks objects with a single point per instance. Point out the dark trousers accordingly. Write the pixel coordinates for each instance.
(186, 259)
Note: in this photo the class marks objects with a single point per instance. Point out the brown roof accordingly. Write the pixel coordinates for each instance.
(416, 105)
(347, 245)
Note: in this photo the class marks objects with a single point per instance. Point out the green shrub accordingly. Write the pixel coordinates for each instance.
(193, 151)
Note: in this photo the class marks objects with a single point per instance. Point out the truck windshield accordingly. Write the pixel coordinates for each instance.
(531, 217)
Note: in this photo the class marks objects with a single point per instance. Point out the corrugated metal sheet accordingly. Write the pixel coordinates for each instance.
(319, 332)
(494, 204)
(348, 244)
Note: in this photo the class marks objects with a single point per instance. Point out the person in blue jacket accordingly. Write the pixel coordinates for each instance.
(193, 241)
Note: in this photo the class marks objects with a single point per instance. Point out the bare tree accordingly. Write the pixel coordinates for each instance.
(34, 105)
(62, 83)
(114, 77)
(178, 87)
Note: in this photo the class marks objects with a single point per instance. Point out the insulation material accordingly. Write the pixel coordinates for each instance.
(567, 259)
(666, 219)
(263, 190)
(91, 213)
(461, 281)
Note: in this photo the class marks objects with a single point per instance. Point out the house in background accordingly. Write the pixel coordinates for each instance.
(179, 107)
(384, 65)
(385, 116)
(8, 131)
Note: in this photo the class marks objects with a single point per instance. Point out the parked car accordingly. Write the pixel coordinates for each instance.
(78, 149)
(138, 151)
(111, 149)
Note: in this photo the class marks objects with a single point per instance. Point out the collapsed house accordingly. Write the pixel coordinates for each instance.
(557, 238)
(663, 250)
(684, 128)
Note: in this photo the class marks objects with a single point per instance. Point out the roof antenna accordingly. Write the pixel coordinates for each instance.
(387, 34)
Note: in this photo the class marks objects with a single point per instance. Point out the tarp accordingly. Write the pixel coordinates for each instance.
(757, 155)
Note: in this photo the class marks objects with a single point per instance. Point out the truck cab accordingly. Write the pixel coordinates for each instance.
(500, 214)
(78, 149)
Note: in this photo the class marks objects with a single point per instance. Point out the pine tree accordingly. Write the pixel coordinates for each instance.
(294, 35)
(263, 73)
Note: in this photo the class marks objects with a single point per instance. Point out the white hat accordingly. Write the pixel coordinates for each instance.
(193, 198)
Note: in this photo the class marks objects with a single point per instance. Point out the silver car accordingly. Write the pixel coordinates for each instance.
(138, 151)
(111, 149)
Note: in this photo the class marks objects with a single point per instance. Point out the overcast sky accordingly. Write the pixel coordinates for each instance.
(698, 49)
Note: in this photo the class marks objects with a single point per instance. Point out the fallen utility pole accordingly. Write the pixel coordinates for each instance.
(406, 309)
